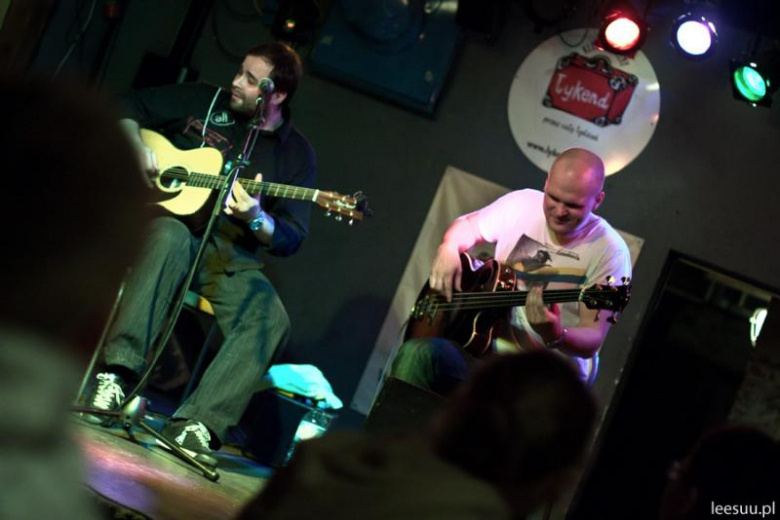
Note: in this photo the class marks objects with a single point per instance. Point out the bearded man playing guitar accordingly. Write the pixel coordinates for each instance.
(246, 305)
(551, 240)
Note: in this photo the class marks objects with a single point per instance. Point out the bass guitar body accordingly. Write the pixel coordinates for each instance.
(464, 321)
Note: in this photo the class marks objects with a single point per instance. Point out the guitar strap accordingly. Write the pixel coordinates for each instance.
(208, 117)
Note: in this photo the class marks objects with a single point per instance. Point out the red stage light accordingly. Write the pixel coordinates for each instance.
(622, 31)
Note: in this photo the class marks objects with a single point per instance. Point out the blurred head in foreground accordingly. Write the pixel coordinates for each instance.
(729, 466)
(520, 422)
(74, 211)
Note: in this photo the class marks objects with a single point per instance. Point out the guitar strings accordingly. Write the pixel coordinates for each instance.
(204, 180)
(475, 300)
(502, 294)
(444, 305)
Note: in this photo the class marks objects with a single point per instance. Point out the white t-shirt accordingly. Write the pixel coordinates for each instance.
(516, 224)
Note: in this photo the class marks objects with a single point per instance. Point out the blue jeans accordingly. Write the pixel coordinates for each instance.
(435, 364)
(246, 306)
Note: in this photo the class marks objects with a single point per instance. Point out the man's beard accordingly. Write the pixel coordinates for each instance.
(240, 106)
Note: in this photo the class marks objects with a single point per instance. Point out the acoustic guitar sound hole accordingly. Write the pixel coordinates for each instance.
(174, 179)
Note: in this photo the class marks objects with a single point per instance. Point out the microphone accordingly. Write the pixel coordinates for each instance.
(266, 86)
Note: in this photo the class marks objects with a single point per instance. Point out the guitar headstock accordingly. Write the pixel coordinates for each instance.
(353, 207)
(607, 297)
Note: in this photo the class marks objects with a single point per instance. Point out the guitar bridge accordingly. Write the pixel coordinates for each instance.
(425, 307)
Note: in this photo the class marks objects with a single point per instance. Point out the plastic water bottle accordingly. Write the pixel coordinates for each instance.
(313, 424)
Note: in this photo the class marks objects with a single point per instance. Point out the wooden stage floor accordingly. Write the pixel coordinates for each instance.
(145, 478)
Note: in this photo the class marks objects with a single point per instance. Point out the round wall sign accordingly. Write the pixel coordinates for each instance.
(564, 97)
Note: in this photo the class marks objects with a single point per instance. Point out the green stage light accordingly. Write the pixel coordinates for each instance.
(755, 81)
(750, 83)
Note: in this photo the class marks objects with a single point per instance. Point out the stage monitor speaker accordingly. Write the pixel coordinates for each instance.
(404, 55)
(401, 407)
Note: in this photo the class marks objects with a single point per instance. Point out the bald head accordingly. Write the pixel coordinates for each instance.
(574, 188)
(580, 167)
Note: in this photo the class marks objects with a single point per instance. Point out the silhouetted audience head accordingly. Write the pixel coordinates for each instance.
(520, 422)
(73, 215)
(729, 466)
(74, 208)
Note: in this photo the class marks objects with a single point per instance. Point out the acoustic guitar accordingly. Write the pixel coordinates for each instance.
(187, 179)
(475, 315)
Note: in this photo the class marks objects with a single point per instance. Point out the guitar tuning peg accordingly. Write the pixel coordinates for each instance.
(328, 213)
(613, 319)
(339, 217)
(351, 221)
(610, 280)
(625, 280)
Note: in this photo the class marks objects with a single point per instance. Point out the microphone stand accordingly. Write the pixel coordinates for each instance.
(131, 401)
(242, 162)
(131, 414)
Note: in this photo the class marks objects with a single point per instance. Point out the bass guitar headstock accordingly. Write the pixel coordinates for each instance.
(353, 207)
(607, 297)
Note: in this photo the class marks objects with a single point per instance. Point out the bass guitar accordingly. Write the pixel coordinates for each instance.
(474, 316)
(187, 179)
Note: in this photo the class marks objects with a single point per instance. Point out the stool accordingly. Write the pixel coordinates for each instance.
(197, 303)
